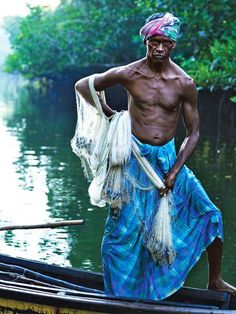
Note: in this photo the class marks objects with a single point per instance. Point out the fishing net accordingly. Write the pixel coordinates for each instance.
(104, 147)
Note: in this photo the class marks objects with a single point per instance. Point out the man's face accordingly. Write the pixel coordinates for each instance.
(159, 48)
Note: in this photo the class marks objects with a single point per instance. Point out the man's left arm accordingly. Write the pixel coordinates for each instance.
(191, 122)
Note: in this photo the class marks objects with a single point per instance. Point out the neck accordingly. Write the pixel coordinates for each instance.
(158, 67)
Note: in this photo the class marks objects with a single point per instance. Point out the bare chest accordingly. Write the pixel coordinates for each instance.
(156, 93)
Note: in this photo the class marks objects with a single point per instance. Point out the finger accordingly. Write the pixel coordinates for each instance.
(164, 191)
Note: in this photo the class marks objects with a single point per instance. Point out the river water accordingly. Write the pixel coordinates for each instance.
(42, 181)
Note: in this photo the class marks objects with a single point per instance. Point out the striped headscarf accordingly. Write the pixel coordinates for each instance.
(163, 24)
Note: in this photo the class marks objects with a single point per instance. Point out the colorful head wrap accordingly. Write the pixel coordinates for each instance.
(163, 24)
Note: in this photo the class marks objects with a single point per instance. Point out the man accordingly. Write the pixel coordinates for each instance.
(159, 91)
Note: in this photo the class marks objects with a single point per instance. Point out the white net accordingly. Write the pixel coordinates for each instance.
(104, 147)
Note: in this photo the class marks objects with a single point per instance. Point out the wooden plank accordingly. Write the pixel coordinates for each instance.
(76, 276)
(35, 275)
(208, 297)
(79, 306)
(204, 294)
(67, 292)
(55, 224)
(99, 305)
(94, 280)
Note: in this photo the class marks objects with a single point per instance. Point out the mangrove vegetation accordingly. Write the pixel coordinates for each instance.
(79, 33)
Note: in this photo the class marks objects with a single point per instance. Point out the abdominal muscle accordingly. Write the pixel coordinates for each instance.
(153, 126)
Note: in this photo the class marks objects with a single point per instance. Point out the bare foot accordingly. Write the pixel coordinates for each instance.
(221, 285)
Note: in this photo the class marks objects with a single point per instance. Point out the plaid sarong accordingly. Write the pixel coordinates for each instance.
(129, 269)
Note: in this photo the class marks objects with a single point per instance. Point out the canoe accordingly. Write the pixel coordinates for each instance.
(28, 286)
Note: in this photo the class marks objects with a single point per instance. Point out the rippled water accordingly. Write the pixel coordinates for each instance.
(41, 179)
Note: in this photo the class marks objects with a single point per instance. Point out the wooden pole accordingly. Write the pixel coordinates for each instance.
(55, 224)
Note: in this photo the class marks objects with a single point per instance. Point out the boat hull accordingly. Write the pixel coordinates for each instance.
(17, 306)
(61, 290)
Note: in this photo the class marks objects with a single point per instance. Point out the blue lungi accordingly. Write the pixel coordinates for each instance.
(129, 269)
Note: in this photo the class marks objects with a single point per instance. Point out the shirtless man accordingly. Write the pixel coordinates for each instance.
(159, 91)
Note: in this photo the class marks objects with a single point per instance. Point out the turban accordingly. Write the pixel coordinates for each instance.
(163, 24)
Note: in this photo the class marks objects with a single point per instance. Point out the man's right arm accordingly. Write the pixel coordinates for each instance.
(102, 81)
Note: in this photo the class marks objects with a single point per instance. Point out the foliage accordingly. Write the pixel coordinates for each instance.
(35, 46)
(233, 99)
(216, 70)
(80, 33)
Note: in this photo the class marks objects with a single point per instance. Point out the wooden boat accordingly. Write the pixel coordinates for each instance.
(28, 286)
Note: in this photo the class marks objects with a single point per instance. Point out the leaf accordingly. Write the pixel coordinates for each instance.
(233, 99)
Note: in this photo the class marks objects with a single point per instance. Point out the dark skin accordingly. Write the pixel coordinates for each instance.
(159, 92)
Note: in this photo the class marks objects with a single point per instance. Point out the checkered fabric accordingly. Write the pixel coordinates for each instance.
(129, 270)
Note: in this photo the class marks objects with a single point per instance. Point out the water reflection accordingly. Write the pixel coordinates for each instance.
(24, 200)
(43, 180)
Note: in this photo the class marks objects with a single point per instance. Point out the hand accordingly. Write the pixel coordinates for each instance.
(106, 109)
(170, 179)
(164, 191)
(169, 183)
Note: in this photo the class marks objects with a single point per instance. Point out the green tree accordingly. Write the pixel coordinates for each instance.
(81, 33)
(216, 69)
(35, 50)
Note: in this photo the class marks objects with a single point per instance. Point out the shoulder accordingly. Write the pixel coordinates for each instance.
(129, 71)
(187, 86)
(117, 75)
(185, 80)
